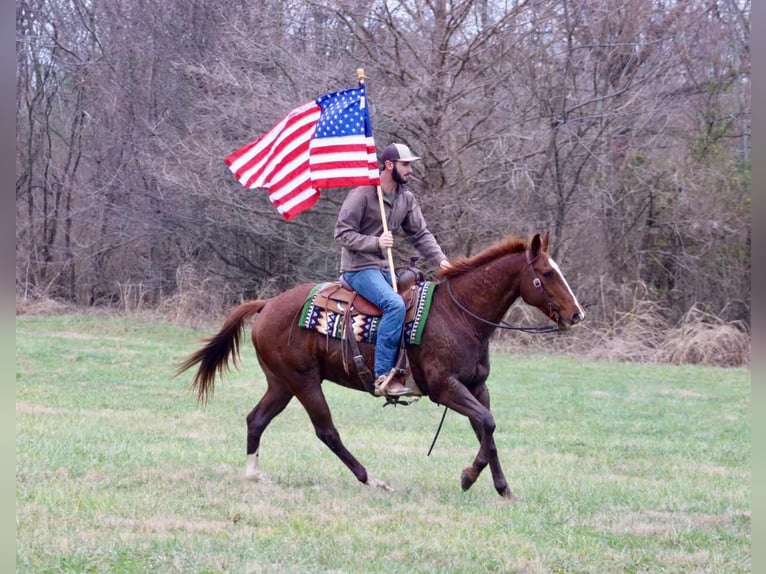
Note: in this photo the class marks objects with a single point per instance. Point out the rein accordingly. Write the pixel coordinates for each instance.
(504, 324)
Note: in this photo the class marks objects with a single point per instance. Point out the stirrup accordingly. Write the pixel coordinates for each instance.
(398, 401)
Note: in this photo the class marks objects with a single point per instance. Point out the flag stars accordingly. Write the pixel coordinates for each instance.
(341, 114)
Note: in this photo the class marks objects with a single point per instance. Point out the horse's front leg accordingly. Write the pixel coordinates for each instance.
(457, 397)
(498, 477)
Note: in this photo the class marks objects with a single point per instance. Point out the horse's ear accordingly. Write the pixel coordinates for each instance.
(546, 239)
(535, 246)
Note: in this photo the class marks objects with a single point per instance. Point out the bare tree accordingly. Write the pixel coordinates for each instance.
(621, 125)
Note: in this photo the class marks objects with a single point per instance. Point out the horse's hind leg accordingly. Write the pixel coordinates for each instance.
(271, 404)
(313, 400)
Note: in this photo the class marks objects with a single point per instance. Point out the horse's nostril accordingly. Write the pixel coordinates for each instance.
(576, 318)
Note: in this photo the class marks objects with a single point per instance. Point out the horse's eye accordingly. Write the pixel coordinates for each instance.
(548, 274)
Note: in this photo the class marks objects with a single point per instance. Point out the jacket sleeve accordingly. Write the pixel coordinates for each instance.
(348, 231)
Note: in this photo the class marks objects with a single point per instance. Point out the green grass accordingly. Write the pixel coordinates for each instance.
(618, 467)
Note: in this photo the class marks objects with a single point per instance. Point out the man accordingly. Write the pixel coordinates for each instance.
(364, 263)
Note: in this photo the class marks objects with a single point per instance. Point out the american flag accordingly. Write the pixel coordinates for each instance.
(321, 144)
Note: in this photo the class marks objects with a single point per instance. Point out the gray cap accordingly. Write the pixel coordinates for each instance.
(397, 152)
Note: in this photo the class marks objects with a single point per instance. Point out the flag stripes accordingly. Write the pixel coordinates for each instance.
(321, 144)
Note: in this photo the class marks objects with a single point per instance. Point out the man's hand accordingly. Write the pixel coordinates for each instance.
(444, 264)
(386, 240)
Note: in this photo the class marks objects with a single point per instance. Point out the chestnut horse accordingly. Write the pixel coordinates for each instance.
(450, 365)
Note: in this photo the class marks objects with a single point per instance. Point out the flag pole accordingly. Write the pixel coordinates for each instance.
(389, 254)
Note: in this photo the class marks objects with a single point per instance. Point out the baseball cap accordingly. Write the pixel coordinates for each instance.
(397, 152)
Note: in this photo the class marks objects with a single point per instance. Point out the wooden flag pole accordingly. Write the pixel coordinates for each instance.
(389, 253)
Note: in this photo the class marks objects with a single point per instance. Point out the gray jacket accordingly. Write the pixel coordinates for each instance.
(359, 225)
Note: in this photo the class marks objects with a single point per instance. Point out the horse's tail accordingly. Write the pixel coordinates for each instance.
(214, 356)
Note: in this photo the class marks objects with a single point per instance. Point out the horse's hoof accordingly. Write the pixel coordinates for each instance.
(467, 479)
(373, 482)
(506, 493)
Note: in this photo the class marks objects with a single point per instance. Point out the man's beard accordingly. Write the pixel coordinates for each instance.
(397, 177)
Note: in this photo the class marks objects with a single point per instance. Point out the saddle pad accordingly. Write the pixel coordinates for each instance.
(365, 327)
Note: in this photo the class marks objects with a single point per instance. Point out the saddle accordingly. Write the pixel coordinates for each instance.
(339, 297)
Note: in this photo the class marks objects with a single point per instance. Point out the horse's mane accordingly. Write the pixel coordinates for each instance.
(461, 265)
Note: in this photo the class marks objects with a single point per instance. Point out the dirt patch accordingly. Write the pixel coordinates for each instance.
(687, 560)
(25, 408)
(524, 566)
(165, 525)
(683, 393)
(87, 337)
(655, 523)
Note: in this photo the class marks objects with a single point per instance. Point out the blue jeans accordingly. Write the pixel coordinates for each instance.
(374, 285)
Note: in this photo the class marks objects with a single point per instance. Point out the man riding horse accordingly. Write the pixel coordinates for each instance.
(364, 239)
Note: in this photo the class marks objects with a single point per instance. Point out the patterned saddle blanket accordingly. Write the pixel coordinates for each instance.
(327, 306)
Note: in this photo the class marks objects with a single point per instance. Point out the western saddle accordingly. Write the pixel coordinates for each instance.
(339, 297)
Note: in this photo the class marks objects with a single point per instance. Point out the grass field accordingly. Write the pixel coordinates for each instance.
(618, 467)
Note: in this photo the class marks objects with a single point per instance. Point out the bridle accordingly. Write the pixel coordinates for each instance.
(552, 310)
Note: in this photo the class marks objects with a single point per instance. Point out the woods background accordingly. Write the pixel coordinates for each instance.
(623, 126)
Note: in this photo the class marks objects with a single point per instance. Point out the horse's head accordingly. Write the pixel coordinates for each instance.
(543, 286)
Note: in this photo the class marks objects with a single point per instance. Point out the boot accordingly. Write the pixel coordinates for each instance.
(390, 386)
